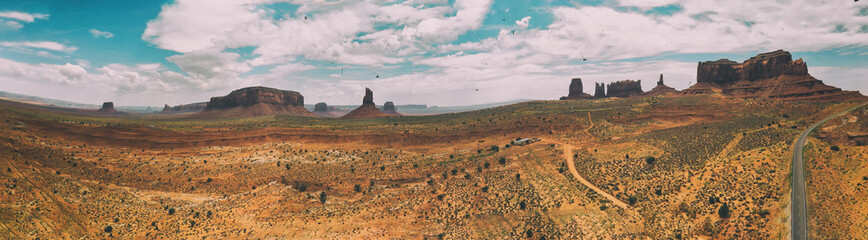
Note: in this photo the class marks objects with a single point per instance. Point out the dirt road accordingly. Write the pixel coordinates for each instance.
(568, 151)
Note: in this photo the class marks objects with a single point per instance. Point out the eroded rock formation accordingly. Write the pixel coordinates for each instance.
(624, 88)
(389, 108)
(660, 89)
(599, 90)
(321, 107)
(773, 74)
(108, 107)
(576, 90)
(184, 108)
(257, 101)
(368, 108)
(369, 97)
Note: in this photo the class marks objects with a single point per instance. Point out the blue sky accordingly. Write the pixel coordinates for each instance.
(436, 52)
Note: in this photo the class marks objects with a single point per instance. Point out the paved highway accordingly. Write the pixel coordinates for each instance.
(799, 208)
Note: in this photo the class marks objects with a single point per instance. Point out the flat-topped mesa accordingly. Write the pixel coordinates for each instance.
(762, 66)
(576, 90)
(624, 88)
(599, 90)
(184, 108)
(256, 95)
(107, 107)
(321, 107)
(257, 101)
(772, 74)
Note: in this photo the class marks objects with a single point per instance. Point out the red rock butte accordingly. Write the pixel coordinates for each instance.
(256, 101)
(772, 75)
(368, 108)
(107, 107)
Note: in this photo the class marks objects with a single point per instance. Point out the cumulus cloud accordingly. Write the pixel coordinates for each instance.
(209, 63)
(374, 36)
(22, 16)
(100, 34)
(342, 32)
(46, 45)
(524, 22)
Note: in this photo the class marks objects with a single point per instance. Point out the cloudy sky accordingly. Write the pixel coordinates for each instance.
(436, 52)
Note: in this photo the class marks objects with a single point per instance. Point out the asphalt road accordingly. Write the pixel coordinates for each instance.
(799, 208)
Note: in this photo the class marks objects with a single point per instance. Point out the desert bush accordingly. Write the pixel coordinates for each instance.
(724, 211)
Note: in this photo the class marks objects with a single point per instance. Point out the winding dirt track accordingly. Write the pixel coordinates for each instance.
(568, 151)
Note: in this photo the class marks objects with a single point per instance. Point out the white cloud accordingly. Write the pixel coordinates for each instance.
(189, 25)
(210, 64)
(342, 32)
(100, 34)
(645, 4)
(524, 22)
(10, 25)
(22, 16)
(46, 45)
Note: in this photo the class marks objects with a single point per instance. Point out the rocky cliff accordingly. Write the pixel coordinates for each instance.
(107, 107)
(773, 74)
(575, 91)
(624, 88)
(184, 108)
(368, 108)
(599, 90)
(257, 101)
(760, 67)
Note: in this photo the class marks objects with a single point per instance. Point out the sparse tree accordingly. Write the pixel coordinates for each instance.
(724, 211)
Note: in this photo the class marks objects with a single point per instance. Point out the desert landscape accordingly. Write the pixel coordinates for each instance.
(712, 161)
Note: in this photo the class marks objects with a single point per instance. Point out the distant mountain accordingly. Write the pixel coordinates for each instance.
(68, 104)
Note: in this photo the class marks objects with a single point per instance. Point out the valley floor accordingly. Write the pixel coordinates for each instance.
(637, 168)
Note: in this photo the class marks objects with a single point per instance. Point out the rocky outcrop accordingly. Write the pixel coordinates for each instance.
(369, 97)
(576, 90)
(760, 67)
(257, 101)
(660, 89)
(773, 75)
(321, 107)
(624, 88)
(107, 107)
(389, 108)
(599, 90)
(184, 108)
(368, 108)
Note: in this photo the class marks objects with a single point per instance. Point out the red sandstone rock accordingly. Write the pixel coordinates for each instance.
(772, 75)
(257, 101)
